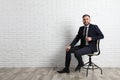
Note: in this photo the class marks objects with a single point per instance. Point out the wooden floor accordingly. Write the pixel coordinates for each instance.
(39, 73)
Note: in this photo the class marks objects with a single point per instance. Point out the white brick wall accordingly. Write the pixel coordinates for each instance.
(35, 32)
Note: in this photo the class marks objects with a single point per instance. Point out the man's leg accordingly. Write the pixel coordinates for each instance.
(68, 59)
(68, 56)
(78, 54)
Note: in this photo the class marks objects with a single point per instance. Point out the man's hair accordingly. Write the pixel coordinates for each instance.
(86, 15)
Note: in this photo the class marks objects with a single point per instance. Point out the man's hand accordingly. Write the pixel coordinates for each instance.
(88, 38)
(68, 48)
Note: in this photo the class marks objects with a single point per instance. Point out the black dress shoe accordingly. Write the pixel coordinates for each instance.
(78, 68)
(64, 71)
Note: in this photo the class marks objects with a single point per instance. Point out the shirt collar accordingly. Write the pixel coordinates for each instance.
(87, 25)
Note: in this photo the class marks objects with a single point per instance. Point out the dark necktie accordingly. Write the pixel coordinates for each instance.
(84, 35)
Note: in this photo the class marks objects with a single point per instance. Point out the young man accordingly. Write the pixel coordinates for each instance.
(88, 35)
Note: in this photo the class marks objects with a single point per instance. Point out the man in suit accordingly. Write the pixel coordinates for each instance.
(88, 35)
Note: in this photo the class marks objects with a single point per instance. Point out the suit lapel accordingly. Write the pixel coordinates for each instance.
(89, 30)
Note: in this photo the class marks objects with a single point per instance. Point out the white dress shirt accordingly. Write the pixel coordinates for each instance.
(87, 34)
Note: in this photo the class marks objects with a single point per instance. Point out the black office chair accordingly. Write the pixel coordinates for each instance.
(90, 64)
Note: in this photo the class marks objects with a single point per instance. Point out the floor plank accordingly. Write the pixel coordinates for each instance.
(49, 73)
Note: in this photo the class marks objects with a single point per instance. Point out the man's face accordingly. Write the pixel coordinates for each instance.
(86, 20)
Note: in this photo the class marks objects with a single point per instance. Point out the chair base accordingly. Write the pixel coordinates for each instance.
(91, 65)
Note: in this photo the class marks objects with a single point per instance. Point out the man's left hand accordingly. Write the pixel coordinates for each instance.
(88, 38)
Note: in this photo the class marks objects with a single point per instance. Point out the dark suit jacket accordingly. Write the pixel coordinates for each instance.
(93, 32)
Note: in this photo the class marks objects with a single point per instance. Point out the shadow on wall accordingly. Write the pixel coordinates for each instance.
(67, 37)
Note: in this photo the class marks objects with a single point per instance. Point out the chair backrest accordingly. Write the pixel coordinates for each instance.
(98, 47)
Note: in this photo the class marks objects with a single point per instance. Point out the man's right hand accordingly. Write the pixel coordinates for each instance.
(68, 48)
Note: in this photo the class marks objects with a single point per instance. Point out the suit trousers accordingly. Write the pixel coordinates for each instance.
(78, 52)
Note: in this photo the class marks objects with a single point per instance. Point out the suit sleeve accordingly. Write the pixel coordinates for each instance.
(76, 39)
(99, 34)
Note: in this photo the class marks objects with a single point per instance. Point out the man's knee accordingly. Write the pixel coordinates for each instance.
(77, 53)
(68, 53)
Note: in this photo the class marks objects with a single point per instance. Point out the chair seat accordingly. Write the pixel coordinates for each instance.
(92, 54)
